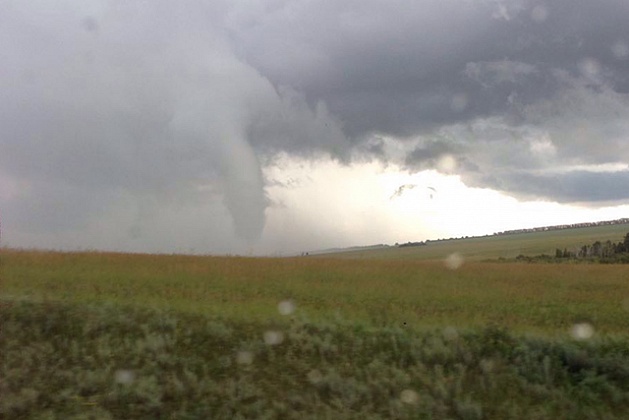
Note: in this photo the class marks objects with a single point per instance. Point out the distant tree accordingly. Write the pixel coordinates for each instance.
(601, 252)
(623, 246)
(608, 249)
(597, 249)
(618, 248)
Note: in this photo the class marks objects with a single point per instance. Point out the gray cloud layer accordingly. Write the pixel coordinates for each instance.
(438, 71)
(141, 99)
(396, 66)
(156, 104)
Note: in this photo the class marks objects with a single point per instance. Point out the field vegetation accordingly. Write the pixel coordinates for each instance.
(106, 335)
(519, 296)
(499, 246)
(599, 252)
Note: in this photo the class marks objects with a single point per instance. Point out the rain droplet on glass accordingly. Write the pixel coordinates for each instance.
(539, 13)
(408, 396)
(286, 307)
(244, 357)
(450, 333)
(272, 338)
(124, 376)
(454, 261)
(589, 67)
(446, 163)
(314, 376)
(90, 24)
(582, 331)
(459, 102)
(486, 365)
(620, 50)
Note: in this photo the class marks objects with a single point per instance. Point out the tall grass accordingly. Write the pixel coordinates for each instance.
(522, 297)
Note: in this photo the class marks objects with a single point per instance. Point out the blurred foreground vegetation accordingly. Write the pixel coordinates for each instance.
(105, 361)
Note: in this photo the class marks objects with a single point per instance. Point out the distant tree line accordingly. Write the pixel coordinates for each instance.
(410, 244)
(568, 226)
(603, 252)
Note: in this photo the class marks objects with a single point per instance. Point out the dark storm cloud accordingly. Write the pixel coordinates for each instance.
(172, 103)
(414, 70)
(398, 67)
(427, 156)
(573, 187)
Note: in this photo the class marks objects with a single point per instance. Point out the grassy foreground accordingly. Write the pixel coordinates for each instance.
(101, 335)
(104, 362)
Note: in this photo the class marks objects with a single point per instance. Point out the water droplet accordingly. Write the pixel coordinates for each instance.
(273, 338)
(124, 376)
(486, 365)
(408, 396)
(512, 98)
(90, 24)
(314, 376)
(454, 261)
(446, 163)
(589, 67)
(459, 102)
(450, 333)
(135, 232)
(620, 50)
(543, 146)
(286, 307)
(244, 358)
(582, 331)
(539, 13)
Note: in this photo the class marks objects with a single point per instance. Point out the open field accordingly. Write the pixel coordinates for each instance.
(524, 297)
(492, 247)
(105, 335)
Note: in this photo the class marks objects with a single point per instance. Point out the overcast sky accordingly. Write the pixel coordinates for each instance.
(275, 127)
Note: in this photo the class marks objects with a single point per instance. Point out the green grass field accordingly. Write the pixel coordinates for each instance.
(492, 247)
(392, 334)
(546, 299)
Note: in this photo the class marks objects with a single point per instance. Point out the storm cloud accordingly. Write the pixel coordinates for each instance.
(143, 107)
(481, 80)
(142, 99)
